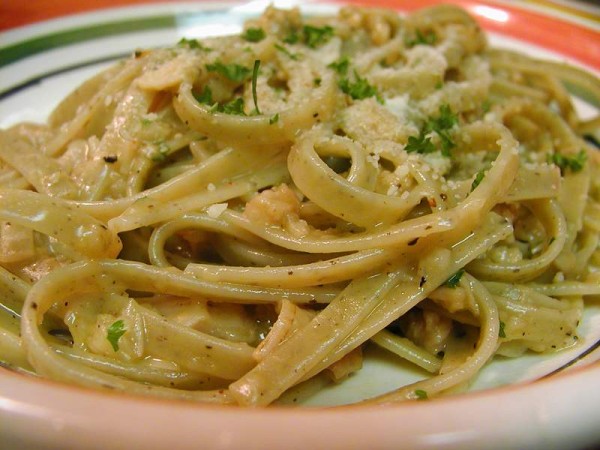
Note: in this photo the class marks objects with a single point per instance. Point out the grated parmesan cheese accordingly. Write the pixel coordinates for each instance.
(216, 210)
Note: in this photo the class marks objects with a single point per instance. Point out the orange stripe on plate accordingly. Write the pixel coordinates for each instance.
(566, 38)
(571, 10)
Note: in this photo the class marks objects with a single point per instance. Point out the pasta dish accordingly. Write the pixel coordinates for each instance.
(236, 219)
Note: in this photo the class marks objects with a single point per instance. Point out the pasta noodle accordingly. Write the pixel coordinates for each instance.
(228, 220)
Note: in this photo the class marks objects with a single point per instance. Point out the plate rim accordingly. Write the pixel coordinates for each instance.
(9, 400)
(542, 421)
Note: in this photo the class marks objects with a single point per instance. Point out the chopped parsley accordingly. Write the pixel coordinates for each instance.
(205, 96)
(114, 333)
(234, 107)
(311, 36)
(292, 38)
(478, 179)
(501, 332)
(254, 79)
(453, 281)
(441, 125)
(285, 51)
(274, 119)
(192, 43)
(420, 38)
(421, 394)
(316, 36)
(359, 88)
(446, 120)
(420, 144)
(341, 65)
(233, 72)
(572, 163)
(161, 153)
(254, 35)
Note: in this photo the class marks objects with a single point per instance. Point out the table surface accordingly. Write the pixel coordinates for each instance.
(16, 13)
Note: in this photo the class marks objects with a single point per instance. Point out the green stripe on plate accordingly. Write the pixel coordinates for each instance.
(44, 43)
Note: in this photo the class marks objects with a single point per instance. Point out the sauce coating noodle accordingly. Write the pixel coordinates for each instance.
(227, 219)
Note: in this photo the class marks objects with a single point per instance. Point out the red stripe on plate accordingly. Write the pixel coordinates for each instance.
(552, 33)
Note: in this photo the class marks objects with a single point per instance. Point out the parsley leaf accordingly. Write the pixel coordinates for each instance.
(161, 153)
(254, 79)
(358, 89)
(114, 333)
(274, 119)
(420, 144)
(453, 281)
(292, 38)
(192, 43)
(421, 394)
(446, 120)
(254, 34)
(420, 38)
(316, 36)
(341, 65)
(501, 332)
(234, 72)
(235, 107)
(442, 125)
(205, 96)
(572, 163)
(285, 51)
(478, 179)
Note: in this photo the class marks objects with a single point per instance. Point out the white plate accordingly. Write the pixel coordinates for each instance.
(561, 410)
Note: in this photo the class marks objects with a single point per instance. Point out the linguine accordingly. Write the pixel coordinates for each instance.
(227, 219)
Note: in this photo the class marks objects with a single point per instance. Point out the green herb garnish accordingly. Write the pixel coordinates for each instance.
(274, 119)
(316, 36)
(428, 38)
(234, 72)
(478, 179)
(161, 153)
(341, 65)
(285, 51)
(192, 43)
(572, 163)
(205, 96)
(114, 333)
(420, 144)
(292, 38)
(254, 34)
(254, 79)
(359, 88)
(421, 394)
(442, 125)
(234, 107)
(501, 332)
(446, 120)
(453, 281)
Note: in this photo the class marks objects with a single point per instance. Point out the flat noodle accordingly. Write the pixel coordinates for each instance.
(244, 214)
